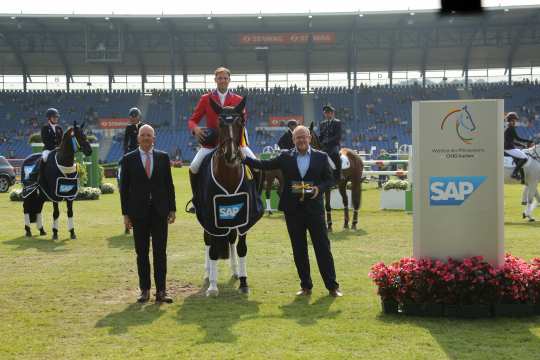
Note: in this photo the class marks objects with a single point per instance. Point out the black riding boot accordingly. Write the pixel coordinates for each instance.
(517, 173)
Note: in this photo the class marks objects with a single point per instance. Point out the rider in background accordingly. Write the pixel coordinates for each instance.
(285, 141)
(51, 134)
(132, 130)
(510, 145)
(330, 138)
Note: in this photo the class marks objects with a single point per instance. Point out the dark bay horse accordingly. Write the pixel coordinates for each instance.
(61, 160)
(228, 172)
(352, 174)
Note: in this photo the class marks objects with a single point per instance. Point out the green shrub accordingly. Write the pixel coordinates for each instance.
(88, 193)
(396, 185)
(107, 188)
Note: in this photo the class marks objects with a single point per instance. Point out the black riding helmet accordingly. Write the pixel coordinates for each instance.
(52, 112)
(134, 112)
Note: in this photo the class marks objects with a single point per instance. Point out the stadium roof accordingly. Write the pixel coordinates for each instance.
(277, 43)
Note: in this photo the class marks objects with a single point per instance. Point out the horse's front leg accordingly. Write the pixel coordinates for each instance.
(345, 199)
(241, 248)
(531, 201)
(213, 256)
(56, 215)
(328, 209)
(71, 226)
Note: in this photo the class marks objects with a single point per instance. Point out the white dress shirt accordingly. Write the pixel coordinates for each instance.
(143, 158)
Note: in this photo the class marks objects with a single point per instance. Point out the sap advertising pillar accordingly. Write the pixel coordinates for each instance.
(458, 179)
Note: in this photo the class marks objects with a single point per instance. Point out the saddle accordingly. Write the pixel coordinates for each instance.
(219, 211)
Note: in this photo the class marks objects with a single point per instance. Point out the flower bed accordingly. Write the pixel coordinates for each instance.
(468, 288)
(396, 185)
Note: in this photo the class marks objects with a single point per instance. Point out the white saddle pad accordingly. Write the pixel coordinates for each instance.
(508, 162)
(345, 163)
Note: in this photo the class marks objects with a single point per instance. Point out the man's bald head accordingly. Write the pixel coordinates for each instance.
(147, 128)
(146, 137)
(301, 138)
(300, 130)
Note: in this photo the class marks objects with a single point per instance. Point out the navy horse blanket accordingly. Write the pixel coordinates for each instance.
(219, 211)
(54, 181)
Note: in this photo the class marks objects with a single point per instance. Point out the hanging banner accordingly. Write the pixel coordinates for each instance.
(282, 121)
(286, 38)
(113, 123)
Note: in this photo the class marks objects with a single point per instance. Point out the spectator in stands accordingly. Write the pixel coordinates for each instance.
(286, 141)
(132, 130)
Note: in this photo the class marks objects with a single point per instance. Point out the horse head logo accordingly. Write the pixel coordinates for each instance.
(466, 128)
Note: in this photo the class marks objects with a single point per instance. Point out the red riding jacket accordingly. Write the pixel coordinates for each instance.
(204, 109)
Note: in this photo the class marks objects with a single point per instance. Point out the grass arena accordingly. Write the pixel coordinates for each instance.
(75, 298)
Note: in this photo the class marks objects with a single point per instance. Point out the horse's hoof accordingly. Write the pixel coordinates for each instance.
(532, 219)
(126, 232)
(523, 203)
(329, 229)
(28, 234)
(212, 293)
(244, 290)
(42, 232)
(353, 227)
(346, 226)
(55, 237)
(73, 236)
(234, 277)
(523, 216)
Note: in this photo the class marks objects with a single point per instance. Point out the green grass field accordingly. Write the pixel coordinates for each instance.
(76, 299)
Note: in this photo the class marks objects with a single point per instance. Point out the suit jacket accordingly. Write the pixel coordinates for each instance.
(130, 137)
(286, 141)
(204, 109)
(330, 135)
(137, 190)
(51, 139)
(318, 172)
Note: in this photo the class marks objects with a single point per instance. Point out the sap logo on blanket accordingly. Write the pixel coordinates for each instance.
(229, 212)
(452, 190)
(66, 188)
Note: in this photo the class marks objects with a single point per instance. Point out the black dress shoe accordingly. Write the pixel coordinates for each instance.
(144, 297)
(161, 296)
(335, 293)
(303, 292)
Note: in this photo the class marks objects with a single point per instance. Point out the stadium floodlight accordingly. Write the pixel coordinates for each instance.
(158, 19)
(361, 15)
(13, 17)
(506, 10)
(412, 13)
(66, 17)
(259, 17)
(209, 17)
(107, 18)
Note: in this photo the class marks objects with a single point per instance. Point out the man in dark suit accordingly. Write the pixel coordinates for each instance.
(148, 205)
(132, 130)
(51, 134)
(330, 137)
(286, 142)
(307, 175)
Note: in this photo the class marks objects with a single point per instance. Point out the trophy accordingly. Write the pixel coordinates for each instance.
(302, 188)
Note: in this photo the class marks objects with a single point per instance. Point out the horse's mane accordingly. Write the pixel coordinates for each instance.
(354, 158)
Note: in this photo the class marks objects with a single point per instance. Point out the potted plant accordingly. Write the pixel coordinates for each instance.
(393, 194)
(513, 290)
(387, 280)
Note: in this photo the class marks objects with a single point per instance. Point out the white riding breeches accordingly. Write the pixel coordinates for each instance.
(201, 154)
(517, 153)
(45, 155)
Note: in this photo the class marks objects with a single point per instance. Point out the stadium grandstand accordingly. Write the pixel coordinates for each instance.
(369, 66)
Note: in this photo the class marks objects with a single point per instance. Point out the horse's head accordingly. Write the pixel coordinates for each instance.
(315, 143)
(231, 130)
(77, 138)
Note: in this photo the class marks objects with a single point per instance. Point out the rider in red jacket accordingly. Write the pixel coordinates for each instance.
(223, 96)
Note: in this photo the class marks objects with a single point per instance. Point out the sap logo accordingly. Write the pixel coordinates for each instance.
(66, 188)
(452, 190)
(229, 212)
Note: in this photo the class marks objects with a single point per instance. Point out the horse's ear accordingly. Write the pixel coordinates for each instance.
(74, 123)
(240, 107)
(82, 125)
(216, 107)
(311, 127)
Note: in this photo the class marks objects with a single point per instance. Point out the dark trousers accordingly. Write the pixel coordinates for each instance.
(298, 223)
(154, 227)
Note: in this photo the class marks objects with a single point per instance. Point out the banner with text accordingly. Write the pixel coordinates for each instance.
(113, 123)
(282, 121)
(458, 179)
(286, 38)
